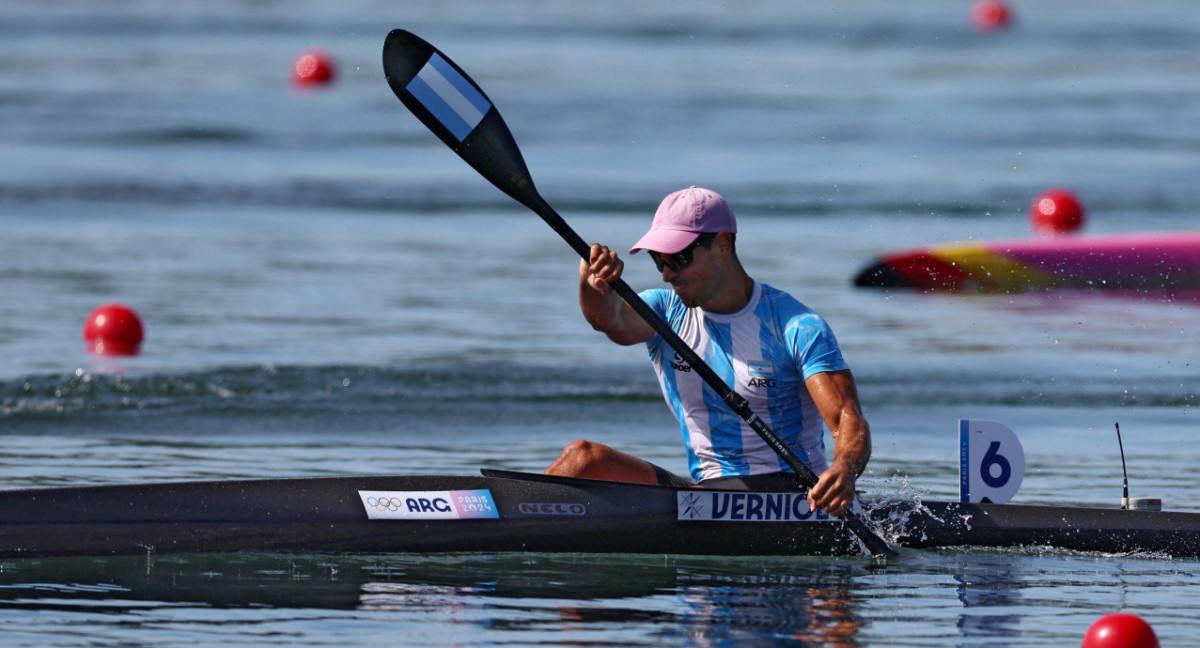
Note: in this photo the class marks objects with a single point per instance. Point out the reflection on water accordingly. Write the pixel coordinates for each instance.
(1026, 597)
(990, 596)
(700, 601)
(696, 600)
(816, 609)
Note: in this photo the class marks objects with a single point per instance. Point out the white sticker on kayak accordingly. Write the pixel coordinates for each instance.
(991, 462)
(429, 505)
(720, 506)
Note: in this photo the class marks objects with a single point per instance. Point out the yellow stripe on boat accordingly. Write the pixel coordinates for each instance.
(990, 270)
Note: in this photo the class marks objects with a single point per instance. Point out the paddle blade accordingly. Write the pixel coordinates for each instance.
(457, 110)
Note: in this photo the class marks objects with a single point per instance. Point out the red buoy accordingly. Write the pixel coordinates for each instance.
(990, 15)
(312, 68)
(113, 329)
(1056, 211)
(1120, 630)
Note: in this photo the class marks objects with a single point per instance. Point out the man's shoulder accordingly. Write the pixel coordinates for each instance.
(664, 301)
(658, 296)
(789, 317)
(783, 303)
(773, 293)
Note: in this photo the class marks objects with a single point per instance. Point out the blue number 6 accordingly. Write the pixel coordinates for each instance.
(993, 458)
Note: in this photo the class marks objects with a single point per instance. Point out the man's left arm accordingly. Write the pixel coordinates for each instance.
(836, 396)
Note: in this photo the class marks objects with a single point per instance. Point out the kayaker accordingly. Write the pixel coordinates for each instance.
(775, 351)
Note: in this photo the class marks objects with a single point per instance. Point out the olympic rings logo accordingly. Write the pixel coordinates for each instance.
(392, 504)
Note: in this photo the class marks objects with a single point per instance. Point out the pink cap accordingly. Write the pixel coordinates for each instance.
(682, 217)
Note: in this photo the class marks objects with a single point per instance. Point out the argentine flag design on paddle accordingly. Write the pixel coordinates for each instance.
(451, 98)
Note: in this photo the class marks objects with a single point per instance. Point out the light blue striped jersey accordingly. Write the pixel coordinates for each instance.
(764, 352)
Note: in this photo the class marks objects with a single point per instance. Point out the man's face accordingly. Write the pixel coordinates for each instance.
(694, 274)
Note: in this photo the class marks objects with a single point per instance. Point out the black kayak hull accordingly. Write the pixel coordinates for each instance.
(1075, 528)
(533, 513)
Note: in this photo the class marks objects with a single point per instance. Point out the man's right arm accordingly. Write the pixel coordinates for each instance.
(602, 307)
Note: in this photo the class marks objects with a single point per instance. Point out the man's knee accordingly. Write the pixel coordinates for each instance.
(587, 451)
(582, 458)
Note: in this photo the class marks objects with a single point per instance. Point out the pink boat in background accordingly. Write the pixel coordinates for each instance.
(1158, 261)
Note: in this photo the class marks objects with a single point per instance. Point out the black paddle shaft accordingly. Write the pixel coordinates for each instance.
(488, 146)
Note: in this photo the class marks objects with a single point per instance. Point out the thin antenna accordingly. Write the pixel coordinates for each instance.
(1124, 473)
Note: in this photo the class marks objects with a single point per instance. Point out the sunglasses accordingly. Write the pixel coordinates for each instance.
(682, 258)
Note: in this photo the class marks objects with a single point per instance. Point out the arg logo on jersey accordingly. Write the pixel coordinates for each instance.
(761, 372)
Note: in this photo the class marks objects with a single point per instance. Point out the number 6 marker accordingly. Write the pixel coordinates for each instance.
(991, 462)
